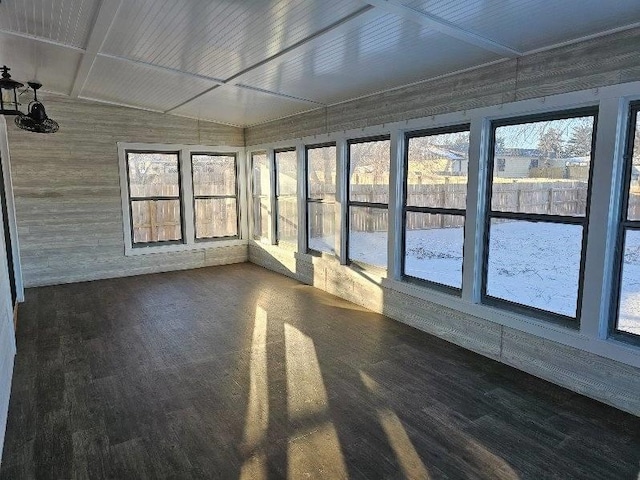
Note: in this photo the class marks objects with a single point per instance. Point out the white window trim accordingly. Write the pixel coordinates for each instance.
(186, 198)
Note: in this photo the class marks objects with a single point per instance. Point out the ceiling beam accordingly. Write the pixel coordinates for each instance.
(443, 26)
(104, 19)
(361, 16)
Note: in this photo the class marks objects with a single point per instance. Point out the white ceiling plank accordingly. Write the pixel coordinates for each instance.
(161, 68)
(104, 19)
(443, 26)
(40, 39)
(360, 17)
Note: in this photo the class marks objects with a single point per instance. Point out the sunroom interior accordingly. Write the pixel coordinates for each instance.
(338, 239)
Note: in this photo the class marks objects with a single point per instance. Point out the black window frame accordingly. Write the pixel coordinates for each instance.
(276, 191)
(308, 200)
(207, 197)
(263, 235)
(354, 203)
(624, 225)
(582, 221)
(180, 198)
(458, 128)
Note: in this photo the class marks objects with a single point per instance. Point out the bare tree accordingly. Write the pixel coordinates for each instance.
(579, 144)
(551, 144)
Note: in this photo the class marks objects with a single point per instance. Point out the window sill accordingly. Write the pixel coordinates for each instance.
(183, 247)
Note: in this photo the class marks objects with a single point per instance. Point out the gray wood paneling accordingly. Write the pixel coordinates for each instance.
(590, 64)
(67, 191)
(606, 380)
(607, 60)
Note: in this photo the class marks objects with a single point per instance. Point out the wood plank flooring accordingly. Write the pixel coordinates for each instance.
(238, 372)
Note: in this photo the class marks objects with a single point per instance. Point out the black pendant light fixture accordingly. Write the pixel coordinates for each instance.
(36, 119)
(9, 93)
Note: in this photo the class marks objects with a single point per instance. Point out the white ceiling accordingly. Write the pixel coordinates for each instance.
(244, 62)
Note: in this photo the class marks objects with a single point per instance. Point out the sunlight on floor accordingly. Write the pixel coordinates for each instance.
(406, 454)
(257, 417)
(477, 455)
(319, 450)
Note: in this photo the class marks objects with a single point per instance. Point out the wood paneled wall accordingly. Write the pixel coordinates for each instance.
(594, 63)
(67, 191)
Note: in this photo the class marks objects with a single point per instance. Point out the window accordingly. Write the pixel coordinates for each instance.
(626, 321)
(214, 193)
(321, 198)
(178, 197)
(261, 181)
(436, 165)
(154, 197)
(537, 213)
(368, 164)
(287, 196)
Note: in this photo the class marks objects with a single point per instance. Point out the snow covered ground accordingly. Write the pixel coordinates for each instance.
(532, 264)
(629, 318)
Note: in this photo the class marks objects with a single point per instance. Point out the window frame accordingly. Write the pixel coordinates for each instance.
(308, 200)
(276, 194)
(623, 226)
(583, 221)
(187, 201)
(236, 196)
(264, 237)
(355, 203)
(456, 128)
(155, 198)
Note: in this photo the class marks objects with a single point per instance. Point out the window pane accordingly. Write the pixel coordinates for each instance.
(156, 221)
(214, 174)
(437, 170)
(321, 165)
(433, 247)
(216, 217)
(369, 175)
(368, 229)
(535, 264)
(287, 220)
(322, 227)
(153, 174)
(634, 187)
(629, 312)
(260, 174)
(287, 173)
(260, 217)
(543, 167)
(287, 200)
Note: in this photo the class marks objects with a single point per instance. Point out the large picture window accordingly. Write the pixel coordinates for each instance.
(627, 318)
(538, 198)
(286, 196)
(214, 193)
(321, 198)
(434, 206)
(368, 162)
(154, 197)
(261, 188)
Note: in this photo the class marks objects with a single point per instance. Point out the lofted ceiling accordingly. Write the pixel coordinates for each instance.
(244, 62)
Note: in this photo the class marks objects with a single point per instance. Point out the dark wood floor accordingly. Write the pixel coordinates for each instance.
(237, 372)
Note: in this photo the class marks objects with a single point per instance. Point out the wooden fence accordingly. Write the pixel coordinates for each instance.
(161, 220)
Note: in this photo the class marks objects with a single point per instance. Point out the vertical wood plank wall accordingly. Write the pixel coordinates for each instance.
(67, 191)
(599, 62)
